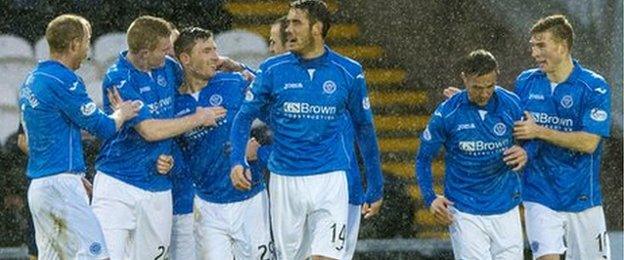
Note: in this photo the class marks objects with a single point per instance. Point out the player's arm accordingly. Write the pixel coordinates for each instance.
(431, 140)
(159, 129)
(362, 117)
(581, 141)
(22, 139)
(256, 101)
(75, 103)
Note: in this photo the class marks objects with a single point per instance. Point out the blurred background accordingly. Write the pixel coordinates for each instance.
(409, 50)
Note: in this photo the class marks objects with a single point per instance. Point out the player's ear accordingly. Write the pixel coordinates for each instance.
(317, 28)
(184, 58)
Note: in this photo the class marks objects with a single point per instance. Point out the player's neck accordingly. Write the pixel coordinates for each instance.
(314, 51)
(65, 59)
(137, 62)
(562, 72)
(194, 84)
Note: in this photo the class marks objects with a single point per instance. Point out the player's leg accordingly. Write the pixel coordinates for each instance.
(288, 211)
(182, 238)
(211, 234)
(506, 234)
(586, 235)
(41, 199)
(327, 221)
(251, 229)
(152, 236)
(71, 229)
(353, 228)
(114, 204)
(469, 237)
(545, 231)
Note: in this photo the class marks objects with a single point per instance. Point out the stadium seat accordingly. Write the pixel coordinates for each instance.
(14, 73)
(108, 46)
(42, 52)
(10, 123)
(94, 89)
(14, 47)
(41, 49)
(242, 46)
(90, 71)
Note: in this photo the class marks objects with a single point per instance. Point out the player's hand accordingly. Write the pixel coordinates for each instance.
(527, 129)
(440, 209)
(128, 110)
(164, 164)
(241, 178)
(208, 116)
(252, 150)
(87, 185)
(372, 209)
(248, 75)
(515, 157)
(114, 98)
(450, 91)
(227, 64)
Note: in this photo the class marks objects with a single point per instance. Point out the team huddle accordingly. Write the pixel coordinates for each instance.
(178, 175)
(181, 171)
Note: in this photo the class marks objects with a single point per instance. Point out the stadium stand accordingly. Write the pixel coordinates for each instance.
(243, 46)
(107, 47)
(14, 47)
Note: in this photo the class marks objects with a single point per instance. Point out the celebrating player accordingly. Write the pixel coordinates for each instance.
(55, 107)
(482, 186)
(306, 93)
(570, 113)
(132, 199)
(229, 223)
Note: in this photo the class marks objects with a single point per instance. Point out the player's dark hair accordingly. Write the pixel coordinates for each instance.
(282, 25)
(188, 38)
(479, 63)
(317, 12)
(559, 26)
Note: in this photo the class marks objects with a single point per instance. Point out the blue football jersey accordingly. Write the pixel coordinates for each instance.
(55, 107)
(128, 157)
(560, 178)
(182, 190)
(208, 149)
(476, 178)
(305, 101)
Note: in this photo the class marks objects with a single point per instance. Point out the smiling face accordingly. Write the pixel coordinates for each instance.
(202, 59)
(548, 52)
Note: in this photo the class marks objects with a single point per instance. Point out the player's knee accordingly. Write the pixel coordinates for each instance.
(320, 257)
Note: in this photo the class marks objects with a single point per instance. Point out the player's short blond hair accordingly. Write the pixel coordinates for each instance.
(62, 30)
(145, 31)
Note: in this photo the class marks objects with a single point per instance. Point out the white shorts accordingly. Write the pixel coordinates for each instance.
(136, 223)
(487, 236)
(581, 235)
(182, 238)
(238, 230)
(309, 215)
(353, 228)
(65, 226)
